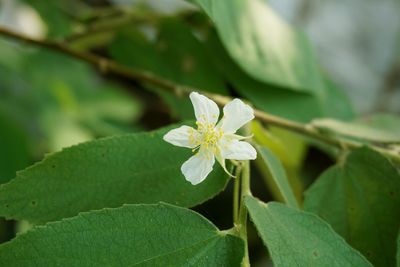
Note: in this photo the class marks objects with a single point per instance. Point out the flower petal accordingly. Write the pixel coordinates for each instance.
(235, 149)
(197, 167)
(183, 136)
(205, 109)
(221, 161)
(236, 114)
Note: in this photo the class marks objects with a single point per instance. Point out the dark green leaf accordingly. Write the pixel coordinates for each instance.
(176, 55)
(398, 250)
(133, 235)
(360, 198)
(297, 238)
(15, 151)
(136, 168)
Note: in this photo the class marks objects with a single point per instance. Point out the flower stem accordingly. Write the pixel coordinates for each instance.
(241, 225)
(236, 193)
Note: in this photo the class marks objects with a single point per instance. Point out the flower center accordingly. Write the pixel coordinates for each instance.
(209, 134)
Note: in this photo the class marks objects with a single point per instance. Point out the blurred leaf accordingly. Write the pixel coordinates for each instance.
(335, 103)
(297, 238)
(176, 55)
(54, 14)
(360, 198)
(264, 45)
(287, 146)
(290, 150)
(63, 102)
(66, 132)
(136, 168)
(133, 235)
(398, 250)
(272, 99)
(383, 128)
(388, 122)
(275, 174)
(113, 104)
(14, 147)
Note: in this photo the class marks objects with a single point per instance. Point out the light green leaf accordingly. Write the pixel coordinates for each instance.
(360, 198)
(336, 103)
(382, 128)
(135, 168)
(276, 175)
(273, 99)
(133, 235)
(386, 121)
(297, 238)
(289, 148)
(264, 45)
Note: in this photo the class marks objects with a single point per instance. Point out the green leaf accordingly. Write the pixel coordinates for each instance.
(264, 45)
(176, 55)
(273, 99)
(71, 105)
(289, 148)
(398, 250)
(360, 198)
(54, 14)
(15, 151)
(380, 128)
(335, 102)
(276, 175)
(133, 235)
(297, 238)
(386, 121)
(135, 168)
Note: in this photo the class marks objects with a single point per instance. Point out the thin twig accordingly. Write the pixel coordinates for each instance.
(108, 66)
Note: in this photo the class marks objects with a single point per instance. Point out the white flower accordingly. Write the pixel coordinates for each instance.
(211, 140)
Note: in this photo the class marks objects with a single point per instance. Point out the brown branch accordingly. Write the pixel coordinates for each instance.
(108, 66)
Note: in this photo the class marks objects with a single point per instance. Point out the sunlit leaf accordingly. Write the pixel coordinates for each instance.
(289, 147)
(264, 45)
(273, 99)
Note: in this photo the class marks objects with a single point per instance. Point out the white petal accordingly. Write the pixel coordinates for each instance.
(198, 166)
(236, 114)
(238, 150)
(204, 108)
(184, 136)
(221, 161)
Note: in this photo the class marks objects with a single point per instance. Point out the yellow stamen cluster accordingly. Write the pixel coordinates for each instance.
(207, 135)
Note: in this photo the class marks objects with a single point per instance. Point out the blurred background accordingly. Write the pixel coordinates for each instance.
(49, 100)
